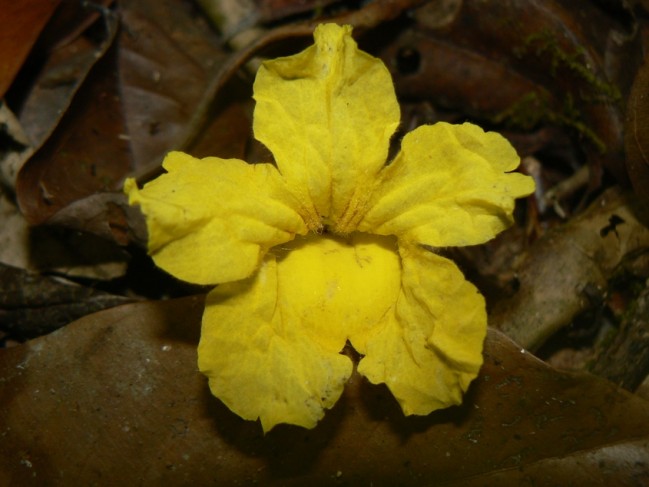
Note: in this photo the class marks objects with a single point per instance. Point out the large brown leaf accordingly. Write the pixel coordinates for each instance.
(83, 156)
(166, 55)
(116, 399)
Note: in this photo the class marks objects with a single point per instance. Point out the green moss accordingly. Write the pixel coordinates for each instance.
(539, 107)
(545, 43)
(535, 108)
(526, 113)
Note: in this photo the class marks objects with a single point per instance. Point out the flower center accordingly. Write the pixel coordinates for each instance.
(346, 283)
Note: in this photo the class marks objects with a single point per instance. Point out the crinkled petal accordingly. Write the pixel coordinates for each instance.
(271, 344)
(211, 220)
(449, 186)
(327, 115)
(257, 363)
(430, 349)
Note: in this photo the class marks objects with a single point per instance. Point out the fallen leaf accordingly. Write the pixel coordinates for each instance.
(84, 155)
(116, 399)
(32, 305)
(165, 58)
(56, 251)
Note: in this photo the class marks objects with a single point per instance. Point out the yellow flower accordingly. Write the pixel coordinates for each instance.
(329, 244)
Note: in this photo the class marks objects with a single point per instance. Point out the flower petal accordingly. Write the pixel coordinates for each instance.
(270, 344)
(430, 349)
(257, 363)
(327, 115)
(448, 187)
(211, 220)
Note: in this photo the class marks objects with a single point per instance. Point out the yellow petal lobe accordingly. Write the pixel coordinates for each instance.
(448, 186)
(430, 348)
(211, 220)
(271, 344)
(327, 115)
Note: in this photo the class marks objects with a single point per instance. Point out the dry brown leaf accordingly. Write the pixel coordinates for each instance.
(84, 155)
(116, 399)
(166, 55)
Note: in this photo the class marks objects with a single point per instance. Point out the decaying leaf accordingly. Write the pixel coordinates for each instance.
(32, 305)
(115, 398)
(565, 263)
(84, 155)
(165, 57)
(54, 250)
